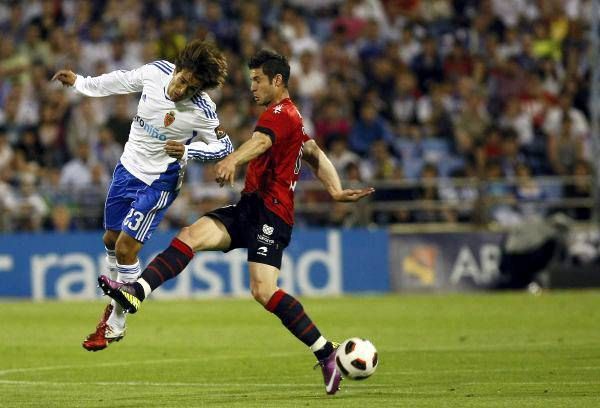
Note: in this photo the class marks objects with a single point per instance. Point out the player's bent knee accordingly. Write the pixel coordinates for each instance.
(188, 236)
(262, 293)
(126, 250)
(125, 255)
(110, 239)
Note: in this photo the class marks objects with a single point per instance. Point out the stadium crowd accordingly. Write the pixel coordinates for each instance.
(397, 91)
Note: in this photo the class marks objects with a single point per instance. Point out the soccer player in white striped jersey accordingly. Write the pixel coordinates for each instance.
(176, 120)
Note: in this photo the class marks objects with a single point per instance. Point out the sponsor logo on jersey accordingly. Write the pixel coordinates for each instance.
(151, 130)
(169, 118)
(267, 229)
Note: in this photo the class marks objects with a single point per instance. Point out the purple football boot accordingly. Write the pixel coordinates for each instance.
(331, 373)
(122, 293)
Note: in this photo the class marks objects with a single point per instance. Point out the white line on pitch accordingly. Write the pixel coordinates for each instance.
(161, 361)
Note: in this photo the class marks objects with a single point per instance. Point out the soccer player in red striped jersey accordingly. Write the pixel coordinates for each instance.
(262, 220)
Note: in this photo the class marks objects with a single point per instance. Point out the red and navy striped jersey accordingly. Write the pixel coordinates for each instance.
(273, 174)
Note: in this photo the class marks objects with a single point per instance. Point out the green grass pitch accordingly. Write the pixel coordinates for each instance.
(461, 350)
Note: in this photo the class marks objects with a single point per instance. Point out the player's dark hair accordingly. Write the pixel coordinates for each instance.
(205, 61)
(272, 64)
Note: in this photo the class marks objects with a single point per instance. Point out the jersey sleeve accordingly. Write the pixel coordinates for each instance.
(273, 125)
(305, 136)
(116, 82)
(211, 151)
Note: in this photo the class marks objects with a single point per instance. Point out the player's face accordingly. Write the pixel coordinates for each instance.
(262, 89)
(183, 85)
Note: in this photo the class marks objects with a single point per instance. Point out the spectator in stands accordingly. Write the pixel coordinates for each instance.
(428, 194)
(352, 173)
(405, 103)
(51, 138)
(427, 65)
(60, 219)
(31, 207)
(408, 46)
(84, 125)
(8, 202)
(339, 154)
(380, 163)
(95, 48)
(511, 153)
(491, 147)
(514, 117)
(457, 63)
(76, 173)
(120, 118)
(29, 147)
(434, 115)
(106, 150)
(86, 197)
(528, 193)
(498, 196)
(580, 188)
(331, 122)
(460, 193)
(308, 78)
(394, 196)
(6, 152)
(369, 128)
(471, 123)
(564, 147)
(579, 125)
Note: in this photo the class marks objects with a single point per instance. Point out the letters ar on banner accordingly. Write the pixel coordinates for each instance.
(470, 260)
(444, 261)
(318, 262)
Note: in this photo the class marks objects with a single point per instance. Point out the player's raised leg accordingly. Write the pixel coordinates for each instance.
(263, 285)
(206, 234)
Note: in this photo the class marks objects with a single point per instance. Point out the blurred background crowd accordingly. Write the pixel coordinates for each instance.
(458, 111)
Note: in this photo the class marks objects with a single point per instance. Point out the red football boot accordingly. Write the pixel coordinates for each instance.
(104, 334)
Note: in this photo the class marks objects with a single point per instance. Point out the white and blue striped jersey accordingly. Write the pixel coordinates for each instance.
(192, 122)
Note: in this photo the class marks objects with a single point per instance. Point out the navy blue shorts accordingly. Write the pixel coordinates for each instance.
(251, 225)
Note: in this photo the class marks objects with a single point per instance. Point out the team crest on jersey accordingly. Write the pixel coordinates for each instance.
(267, 229)
(278, 108)
(169, 118)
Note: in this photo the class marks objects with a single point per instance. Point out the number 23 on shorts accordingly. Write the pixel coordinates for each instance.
(134, 219)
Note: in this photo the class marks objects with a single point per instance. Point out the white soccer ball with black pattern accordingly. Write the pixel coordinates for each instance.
(356, 358)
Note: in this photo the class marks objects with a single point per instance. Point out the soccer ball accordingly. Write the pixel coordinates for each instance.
(356, 358)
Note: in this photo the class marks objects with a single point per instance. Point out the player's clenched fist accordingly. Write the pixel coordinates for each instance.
(174, 149)
(65, 76)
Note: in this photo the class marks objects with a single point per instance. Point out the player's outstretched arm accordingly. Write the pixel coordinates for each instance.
(326, 173)
(113, 83)
(254, 147)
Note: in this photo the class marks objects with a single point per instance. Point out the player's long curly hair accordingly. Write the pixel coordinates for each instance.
(206, 61)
